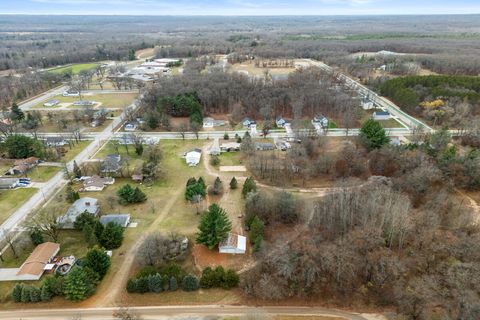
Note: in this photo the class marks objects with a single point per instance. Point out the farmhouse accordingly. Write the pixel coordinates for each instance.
(234, 244)
(381, 115)
(86, 204)
(193, 157)
(42, 255)
(51, 103)
(9, 183)
(97, 183)
(120, 219)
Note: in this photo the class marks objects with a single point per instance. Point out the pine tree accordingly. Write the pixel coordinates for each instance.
(35, 294)
(76, 170)
(112, 236)
(16, 113)
(217, 186)
(233, 184)
(17, 292)
(231, 279)
(89, 235)
(214, 227)
(98, 260)
(132, 286)
(173, 286)
(190, 283)
(25, 296)
(79, 284)
(45, 294)
(249, 186)
(155, 283)
(139, 196)
(142, 285)
(36, 236)
(373, 135)
(71, 194)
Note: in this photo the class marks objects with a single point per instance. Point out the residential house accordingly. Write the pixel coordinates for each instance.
(215, 148)
(96, 183)
(283, 145)
(230, 147)
(34, 267)
(247, 122)
(56, 142)
(367, 104)
(281, 122)
(84, 103)
(21, 166)
(211, 122)
(120, 219)
(80, 206)
(51, 103)
(111, 164)
(131, 126)
(193, 157)
(9, 183)
(233, 244)
(320, 122)
(381, 115)
(264, 146)
(99, 117)
(71, 93)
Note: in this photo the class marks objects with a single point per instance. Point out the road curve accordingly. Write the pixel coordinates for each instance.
(159, 312)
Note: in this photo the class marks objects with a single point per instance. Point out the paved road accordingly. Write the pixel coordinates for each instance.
(45, 96)
(165, 312)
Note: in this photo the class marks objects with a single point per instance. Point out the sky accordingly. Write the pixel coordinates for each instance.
(239, 7)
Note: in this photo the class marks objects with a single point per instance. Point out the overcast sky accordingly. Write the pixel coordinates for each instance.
(239, 7)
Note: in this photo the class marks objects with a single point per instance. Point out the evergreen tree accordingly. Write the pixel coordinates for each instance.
(17, 292)
(127, 194)
(112, 236)
(35, 294)
(173, 286)
(83, 219)
(80, 284)
(25, 296)
(208, 278)
(155, 283)
(89, 235)
(54, 285)
(233, 184)
(201, 182)
(256, 233)
(45, 294)
(132, 286)
(16, 114)
(249, 186)
(37, 237)
(225, 136)
(247, 143)
(191, 181)
(142, 285)
(139, 149)
(71, 194)
(217, 186)
(214, 227)
(139, 196)
(98, 260)
(372, 135)
(190, 283)
(76, 170)
(231, 279)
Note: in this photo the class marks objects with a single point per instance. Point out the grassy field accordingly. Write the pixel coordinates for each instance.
(42, 174)
(108, 100)
(74, 69)
(231, 159)
(75, 150)
(10, 200)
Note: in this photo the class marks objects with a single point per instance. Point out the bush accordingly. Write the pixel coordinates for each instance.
(195, 188)
(132, 286)
(225, 136)
(231, 279)
(190, 283)
(214, 160)
(37, 237)
(142, 285)
(54, 285)
(127, 195)
(25, 295)
(155, 283)
(21, 147)
(249, 186)
(219, 278)
(233, 184)
(256, 233)
(172, 269)
(147, 271)
(35, 294)
(45, 294)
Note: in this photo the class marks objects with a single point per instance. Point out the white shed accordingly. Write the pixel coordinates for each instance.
(193, 157)
(234, 244)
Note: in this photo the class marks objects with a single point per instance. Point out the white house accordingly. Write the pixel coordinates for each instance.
(234, 244)
(381, 115)
(193, 157)
(71, 93)
(130, 126)
(230, 147)
(281, 122)
(253, 129)
(97, 183)
(247, 122)
(51, 103)
(320, 121)
(367, 104)
(208, 122)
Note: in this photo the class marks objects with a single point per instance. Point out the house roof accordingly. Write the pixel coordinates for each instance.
(120, 219)
(77, 208)
(234, 241)
(96, 181)
(381, 113)
(39, 258)
(111, 163)
(27, 161)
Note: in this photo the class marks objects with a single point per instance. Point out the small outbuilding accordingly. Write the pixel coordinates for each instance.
(193, 157)
(381, 115)
(234, 244)
(120, 219)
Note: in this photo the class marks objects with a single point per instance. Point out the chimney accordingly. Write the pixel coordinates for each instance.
(87, 204)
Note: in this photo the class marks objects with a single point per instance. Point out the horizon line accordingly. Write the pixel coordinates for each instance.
(240, 15)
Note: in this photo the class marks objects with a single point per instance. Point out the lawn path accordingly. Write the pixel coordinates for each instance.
(110, 292)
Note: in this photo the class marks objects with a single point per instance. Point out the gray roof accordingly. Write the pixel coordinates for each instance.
(87, 204)
(111, 163)
(382, 113)
(120, 219)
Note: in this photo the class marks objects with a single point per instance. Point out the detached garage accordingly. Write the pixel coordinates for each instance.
(234, 244)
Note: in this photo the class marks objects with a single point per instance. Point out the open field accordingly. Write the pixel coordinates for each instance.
(42, 174)
(74, 69)
(107, 100)
(75, 150)
(249, 68)
(10, 200)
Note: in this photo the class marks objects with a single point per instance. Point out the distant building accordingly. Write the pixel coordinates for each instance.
(215, 148)
(193, 157)
(80, 206)
(84, 103)
(51, 103)
(263, 146)
(211, 122)
(247, 122)
(381, 115)
(120, 219)
(230, 146)
(71, 93)
(281, 122)
(21, 166)
(130, 126)
(367, 104)
(234, 244)
(320, 121)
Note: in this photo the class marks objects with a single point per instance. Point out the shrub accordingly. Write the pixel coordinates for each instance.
(225, 136)
(17, 292)
(132, 286)
(142, 285)
(37, 237)
(214, 160)
(190, 283)
(219, 278)
(147, 271)
(256, 233)
(172, 269)
(45, 294)
(233, 184)
(231, 279)
(80, 283)
(35, 294)
(127, 195)
(54, 285)
(173, 286)
(25, 296)
(155, 283)
(249, 186)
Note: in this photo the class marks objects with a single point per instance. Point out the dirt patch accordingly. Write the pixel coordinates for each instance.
(204, 257)
(233, 169)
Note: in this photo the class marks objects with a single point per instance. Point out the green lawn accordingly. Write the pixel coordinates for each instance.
(10, 200)
(231, 159)
(108, 100)
(75, 150)
(390, 123)
(42, 174)
(75, 69)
